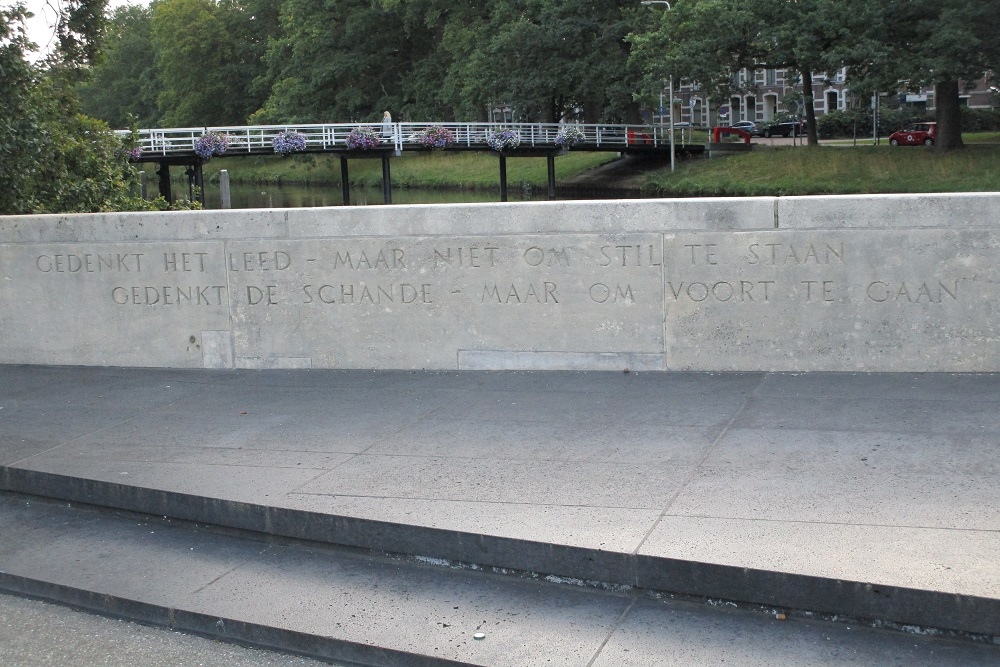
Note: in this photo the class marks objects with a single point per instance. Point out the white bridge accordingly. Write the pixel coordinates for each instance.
(332, 137)
(177, 146)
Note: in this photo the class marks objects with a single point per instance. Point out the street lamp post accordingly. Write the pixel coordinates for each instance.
(673, 156)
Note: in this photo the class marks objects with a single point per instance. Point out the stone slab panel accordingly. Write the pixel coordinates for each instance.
(119, 304)
(597, 216)
(610, 285)
(913, 300)
(946, 210)
(135, 226)
(415, 302)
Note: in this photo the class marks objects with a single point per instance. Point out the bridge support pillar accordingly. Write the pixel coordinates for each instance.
(550, 160)
(386, 180)
(503, 178)
(164, 173)
(196, 183)
(345, 184)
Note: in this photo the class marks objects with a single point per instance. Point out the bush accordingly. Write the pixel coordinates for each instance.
(980, 120)
(858, 122)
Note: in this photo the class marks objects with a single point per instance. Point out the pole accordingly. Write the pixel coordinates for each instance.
(673, 152)
(224, 193)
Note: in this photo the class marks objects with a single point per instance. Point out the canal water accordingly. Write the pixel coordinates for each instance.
(295, 196)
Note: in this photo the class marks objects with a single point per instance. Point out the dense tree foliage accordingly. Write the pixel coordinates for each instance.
(55, 159)
(884, 44)
(930, 43)
(125, 84)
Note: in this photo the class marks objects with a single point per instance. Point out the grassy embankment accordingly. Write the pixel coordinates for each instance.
(834, 168)
(463, 171)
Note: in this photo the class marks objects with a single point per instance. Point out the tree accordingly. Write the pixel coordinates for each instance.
(916, 43)
(708, 41)
(124, 83)
(448, 59)
(547, 58)
(207, 58)
(54, 158)
(337, 60)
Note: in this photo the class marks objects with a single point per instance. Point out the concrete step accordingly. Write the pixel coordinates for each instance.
(822, 597)
(356, 607)
(868, 496)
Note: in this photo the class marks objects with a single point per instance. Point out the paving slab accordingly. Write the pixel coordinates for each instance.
(829, 491)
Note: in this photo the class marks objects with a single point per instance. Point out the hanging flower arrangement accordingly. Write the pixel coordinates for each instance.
(569, 137)
(362, 138)
(437, 137)
(502, 139)
(288, 141)
(212, 143)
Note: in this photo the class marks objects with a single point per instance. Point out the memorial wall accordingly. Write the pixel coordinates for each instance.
(884, 283)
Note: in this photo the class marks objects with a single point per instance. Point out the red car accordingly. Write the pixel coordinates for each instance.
(918, 134)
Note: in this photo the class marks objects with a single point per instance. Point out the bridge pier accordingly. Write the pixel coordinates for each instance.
(345, 183)
(164, 173)
(196, 182)
(386, 180)
(194, 172)
(503, 178)
(550, 160)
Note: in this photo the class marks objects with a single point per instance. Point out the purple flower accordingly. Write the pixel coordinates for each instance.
(211, 144)
(287, 142)
(503, 139)
(437, 137)
(362, 138)
(570, 136)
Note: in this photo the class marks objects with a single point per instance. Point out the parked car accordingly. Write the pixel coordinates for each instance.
(753, 128)
(786, 128)
(918, 134)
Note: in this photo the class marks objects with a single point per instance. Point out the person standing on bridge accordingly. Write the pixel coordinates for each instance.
(386, 124)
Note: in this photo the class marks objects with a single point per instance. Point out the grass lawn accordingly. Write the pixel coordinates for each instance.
(835, 169)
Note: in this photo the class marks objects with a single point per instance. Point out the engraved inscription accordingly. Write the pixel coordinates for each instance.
(882, 292)
(351, 294)
(169, 295)
(788, 253)
(475, 257)
(630, 255)
(723, 290)
(90, 263)
(544, 293)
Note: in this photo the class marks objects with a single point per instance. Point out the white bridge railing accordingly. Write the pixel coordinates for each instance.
(259, 139)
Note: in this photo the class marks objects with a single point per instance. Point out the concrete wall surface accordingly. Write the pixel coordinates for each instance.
(881, 283)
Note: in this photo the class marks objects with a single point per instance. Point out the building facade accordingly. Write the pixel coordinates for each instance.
(764, 94)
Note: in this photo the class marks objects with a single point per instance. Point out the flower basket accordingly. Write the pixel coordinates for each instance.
(362, 138)
(503, 139)
(436, 138)
(569, 137)
(211, 144)
(288, 141)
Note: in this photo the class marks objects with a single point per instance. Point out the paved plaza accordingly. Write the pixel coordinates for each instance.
(595, 518)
